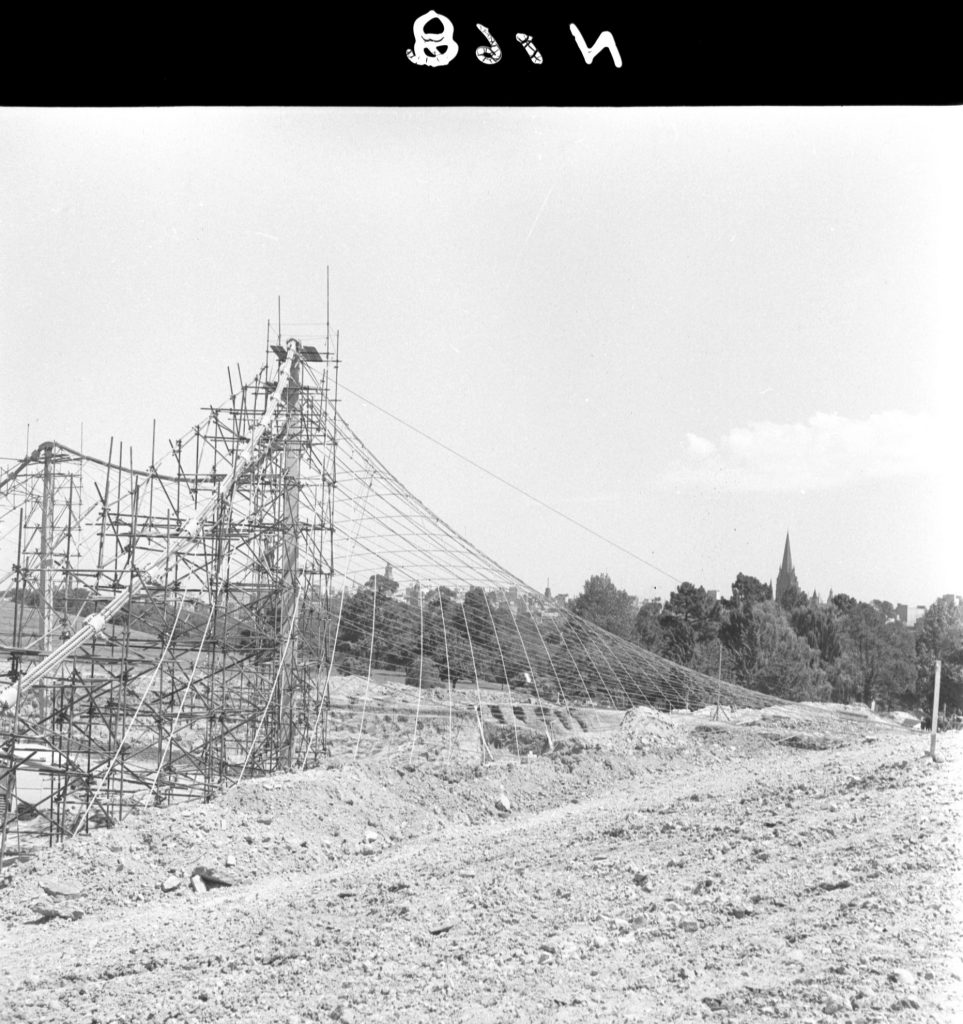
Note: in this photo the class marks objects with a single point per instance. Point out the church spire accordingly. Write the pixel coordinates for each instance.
(786, 558)
(786, 580)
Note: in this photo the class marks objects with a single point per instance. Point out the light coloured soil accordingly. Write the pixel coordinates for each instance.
(674, 869)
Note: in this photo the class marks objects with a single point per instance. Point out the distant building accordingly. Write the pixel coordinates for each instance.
(547, 609)
(786, 580)
(910, 616)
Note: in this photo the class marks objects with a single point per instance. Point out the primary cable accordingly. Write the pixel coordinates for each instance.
(508, 483)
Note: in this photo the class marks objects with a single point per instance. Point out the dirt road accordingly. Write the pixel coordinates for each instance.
(695, 873)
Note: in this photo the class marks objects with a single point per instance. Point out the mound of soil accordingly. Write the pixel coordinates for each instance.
(707, 873)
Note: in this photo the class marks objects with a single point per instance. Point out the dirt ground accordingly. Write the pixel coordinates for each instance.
(676, 868)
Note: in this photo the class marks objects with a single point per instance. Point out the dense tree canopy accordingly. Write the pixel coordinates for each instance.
(783, 663)
(749, 590)
(604, 604)
(940, 636)
(801, 648)
(819, 627)
(647, 632)
(689, 624)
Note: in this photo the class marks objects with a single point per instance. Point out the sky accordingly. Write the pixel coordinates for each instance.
(691, 330)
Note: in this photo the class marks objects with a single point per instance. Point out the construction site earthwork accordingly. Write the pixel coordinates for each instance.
(278, 744)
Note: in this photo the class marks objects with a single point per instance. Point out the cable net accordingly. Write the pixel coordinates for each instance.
(263, 595)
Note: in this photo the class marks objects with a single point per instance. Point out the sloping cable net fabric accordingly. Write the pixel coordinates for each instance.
(264, 594)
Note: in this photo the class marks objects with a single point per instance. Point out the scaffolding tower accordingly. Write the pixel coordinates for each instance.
(169, 630)
(165, 630)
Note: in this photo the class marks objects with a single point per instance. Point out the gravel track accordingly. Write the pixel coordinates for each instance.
(696, 872)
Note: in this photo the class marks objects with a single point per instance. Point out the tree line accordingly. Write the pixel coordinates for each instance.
(800, 648)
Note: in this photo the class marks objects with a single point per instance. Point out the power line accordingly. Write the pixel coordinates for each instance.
(508, 483)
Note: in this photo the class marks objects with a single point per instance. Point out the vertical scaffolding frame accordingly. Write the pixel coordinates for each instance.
(206, 668)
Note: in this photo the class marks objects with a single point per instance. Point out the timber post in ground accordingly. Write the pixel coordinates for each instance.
(936, 708)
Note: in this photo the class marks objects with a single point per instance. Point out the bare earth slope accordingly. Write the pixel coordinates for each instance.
(676, 870)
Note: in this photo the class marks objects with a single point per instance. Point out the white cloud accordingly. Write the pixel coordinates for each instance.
(825, 451)
(699, 446)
